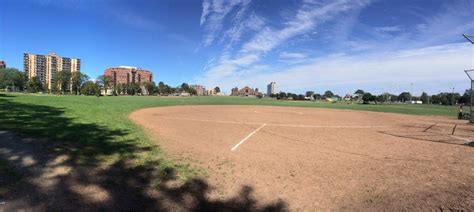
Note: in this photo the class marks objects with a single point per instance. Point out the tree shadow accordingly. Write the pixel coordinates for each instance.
(67, 171)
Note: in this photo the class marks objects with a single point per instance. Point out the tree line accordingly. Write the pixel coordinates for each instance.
(443, 98)
(78, 83)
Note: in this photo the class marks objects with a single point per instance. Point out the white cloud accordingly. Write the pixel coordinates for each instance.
(438, 65)
(307, 17)
(388, 29)
(292, 55)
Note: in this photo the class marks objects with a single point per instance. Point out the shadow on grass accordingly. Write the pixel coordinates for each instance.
(67, 171)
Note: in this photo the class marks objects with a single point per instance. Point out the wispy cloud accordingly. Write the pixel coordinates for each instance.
(388, 29)
(307, 17)
(292, 55)
(214, 14)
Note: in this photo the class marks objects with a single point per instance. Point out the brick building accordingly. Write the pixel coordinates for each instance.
(245, 91)
(128, 74)
(200, 90)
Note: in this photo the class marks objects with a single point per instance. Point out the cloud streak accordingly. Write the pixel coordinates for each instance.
(214, 14)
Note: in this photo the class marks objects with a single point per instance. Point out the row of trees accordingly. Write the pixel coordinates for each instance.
(366, 97)
(12, 78)
(79, 83)
(148, 88)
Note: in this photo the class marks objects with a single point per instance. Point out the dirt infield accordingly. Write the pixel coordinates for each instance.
(322, 158)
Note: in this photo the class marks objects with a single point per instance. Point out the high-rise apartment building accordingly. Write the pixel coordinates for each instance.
(272, 88)
(46, 67)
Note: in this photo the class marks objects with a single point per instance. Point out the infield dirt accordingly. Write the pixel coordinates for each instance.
(318, 159)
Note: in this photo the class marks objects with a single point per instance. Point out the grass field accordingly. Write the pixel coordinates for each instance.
(97, 132)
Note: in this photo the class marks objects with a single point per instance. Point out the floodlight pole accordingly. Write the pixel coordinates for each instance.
(470, 38)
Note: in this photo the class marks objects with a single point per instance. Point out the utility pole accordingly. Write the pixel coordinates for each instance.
(452, 96)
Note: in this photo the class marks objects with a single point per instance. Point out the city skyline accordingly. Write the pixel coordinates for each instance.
(378, 46)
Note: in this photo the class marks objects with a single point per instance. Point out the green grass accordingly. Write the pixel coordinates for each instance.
(97, 131)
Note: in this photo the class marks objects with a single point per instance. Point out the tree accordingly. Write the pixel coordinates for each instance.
(12, 77)
(465, 98)
(192, 91)
(404, 96)
(424, 98)
(133, 89)
(368, 97)
(161, 88)
(359, 93)
(294, 96)
(217, 89)
(309, 93)
(34, 85)
(185, 87)
(150, 87)
(328, 94)
(104, 82)
(282, 95)
(90, 88)
(77, 79)
(63, 78)
(317, 96)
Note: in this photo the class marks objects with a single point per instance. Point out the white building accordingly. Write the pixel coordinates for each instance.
(272, 88)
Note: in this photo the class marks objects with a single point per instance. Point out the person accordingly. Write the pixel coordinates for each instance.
(461, 111)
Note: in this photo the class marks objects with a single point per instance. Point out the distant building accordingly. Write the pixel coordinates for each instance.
(200, 90)
(211, 92)
(272, 88)
(128, 74)
(46, 67)
(3, 64)
(245, 91)
(347, 97)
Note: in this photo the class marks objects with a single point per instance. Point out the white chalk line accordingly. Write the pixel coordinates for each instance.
(460, 138)
(214, 121)
(248, 136)
(279, 125)
(290, 112)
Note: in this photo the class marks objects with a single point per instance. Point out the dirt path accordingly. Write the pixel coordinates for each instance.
(320, 159)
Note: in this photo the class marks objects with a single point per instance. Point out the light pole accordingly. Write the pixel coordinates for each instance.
(470, 38)
(452, 96)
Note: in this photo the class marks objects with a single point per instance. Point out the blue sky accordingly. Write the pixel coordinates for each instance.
(341, 45)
